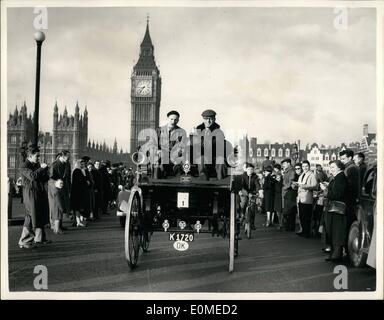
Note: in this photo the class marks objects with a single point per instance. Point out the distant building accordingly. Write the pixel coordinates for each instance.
(322, 155)
(275, 151)
(69, 133)
(368, 145)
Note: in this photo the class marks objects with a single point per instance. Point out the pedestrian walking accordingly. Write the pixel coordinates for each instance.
(35, 177)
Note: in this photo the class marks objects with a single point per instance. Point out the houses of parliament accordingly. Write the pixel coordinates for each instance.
(70, 132)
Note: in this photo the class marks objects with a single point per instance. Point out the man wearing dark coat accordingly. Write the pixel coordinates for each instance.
(97, 189)
(359, 159)
(59, 170)
(351, 171)
(168, 136)
(214, 147)
(81, 191)
(289, 195)
(35, 177)
(268, 192)
(250, 187)
(105, 186)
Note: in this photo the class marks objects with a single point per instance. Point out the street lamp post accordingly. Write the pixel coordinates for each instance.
(39, 37)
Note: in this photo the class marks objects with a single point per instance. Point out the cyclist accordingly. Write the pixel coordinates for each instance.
(250, 188)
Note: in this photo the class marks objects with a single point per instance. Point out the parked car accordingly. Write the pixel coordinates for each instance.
(361, 233)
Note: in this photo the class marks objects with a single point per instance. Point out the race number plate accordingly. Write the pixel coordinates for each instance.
(187, 237)
(182, 199)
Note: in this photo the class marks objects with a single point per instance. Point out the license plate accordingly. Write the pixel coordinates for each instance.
(187, 237)
(182, 199)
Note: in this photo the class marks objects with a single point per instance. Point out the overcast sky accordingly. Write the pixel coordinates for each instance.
(281, 74)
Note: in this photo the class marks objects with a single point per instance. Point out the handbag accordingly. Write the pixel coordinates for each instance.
(337, 207)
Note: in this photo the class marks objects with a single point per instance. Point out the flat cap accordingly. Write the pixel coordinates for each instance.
(173, 112)
(208, 113)
(85, 158)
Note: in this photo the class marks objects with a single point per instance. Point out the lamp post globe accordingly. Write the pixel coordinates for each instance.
(39, 36)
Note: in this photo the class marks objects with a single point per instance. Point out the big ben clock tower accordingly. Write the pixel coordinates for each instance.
(145, 92)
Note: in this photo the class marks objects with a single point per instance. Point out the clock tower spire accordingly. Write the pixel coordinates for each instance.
(145, 91)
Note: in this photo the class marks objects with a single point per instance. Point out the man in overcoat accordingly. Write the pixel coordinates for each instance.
(214, 147)
(35, 177)
(97, 189)
(59, 170)
(168, 136)
(289, 195)
(351, 171)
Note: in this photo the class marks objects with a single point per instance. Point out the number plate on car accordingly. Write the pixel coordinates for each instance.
(187, 237)
(182, 199)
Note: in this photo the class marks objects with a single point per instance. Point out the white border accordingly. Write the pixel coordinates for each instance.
(378, 294)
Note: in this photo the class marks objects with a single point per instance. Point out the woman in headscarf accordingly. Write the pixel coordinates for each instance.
(80, 191)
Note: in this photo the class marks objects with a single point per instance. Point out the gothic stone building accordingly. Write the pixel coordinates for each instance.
(70, 132)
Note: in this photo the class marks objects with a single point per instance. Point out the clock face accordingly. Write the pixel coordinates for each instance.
(143, 88)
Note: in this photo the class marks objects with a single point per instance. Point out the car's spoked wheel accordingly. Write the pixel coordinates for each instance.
(356, 251)
(132, 233)
(145, 239)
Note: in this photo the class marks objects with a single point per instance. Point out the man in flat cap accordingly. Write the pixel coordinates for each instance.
(213, 147)
(170, 145)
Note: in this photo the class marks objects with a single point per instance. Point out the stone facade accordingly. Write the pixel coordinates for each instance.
(70, 132)
(275, 151)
